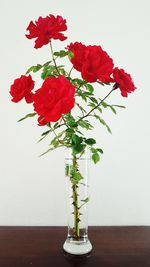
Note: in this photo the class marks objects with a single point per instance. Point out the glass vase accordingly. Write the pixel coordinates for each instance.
(77, 183)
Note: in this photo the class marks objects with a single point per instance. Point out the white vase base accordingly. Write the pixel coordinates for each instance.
(77, 247)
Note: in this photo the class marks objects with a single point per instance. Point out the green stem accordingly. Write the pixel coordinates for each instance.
(75, 204)
(96, 106)
(54, 58)
(76, 212)
(69, 74)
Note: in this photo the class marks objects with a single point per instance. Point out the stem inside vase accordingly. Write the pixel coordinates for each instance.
(77, 182)
(76, 212)
(77, 179)
(76, 229)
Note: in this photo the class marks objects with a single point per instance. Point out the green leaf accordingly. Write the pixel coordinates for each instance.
(106, 125)
(83, 97)
(88, 94)
(43, 135)
(56, 125)
(34, 68)
(78, 148)
(47, 63)
(46, 74)
(104, 104)
(85, 124)
(70, 120)
(70, 54)
(69, 131)
(99, 109)
(118, 106)
(50, 70)
(100, 150)
(63, 53)
(90, 141)
(89, 87)
(77, 176)
(29, 70)
(55, 141)
(73, 173)
(78, 82)
(30, 115)
(79, 132)
(37, 68)
(85, 200)
(95, 157)
(76, 139)
(113, 109)
(94, 100)
(103, 123)
(81, 108)
(72, 123)
(93, 150)
(48, 150)
(81, 94)
(62, 71)
(91, 104)
(95, 154)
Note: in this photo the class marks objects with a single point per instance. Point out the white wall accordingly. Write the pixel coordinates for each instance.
(32, 189)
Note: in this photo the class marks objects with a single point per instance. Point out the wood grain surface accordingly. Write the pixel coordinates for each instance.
(42, 247)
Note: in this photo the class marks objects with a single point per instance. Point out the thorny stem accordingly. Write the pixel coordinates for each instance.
(62, 124)
(96, 106)
(75, 204)
(54, 58)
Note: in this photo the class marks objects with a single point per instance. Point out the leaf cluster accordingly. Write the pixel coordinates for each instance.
(73, 135)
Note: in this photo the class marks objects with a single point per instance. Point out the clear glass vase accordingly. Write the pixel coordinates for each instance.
(77, 180)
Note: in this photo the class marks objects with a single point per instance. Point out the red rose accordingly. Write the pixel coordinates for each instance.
(54, 98)
(45, 29)
(92, 61)
(97, 65)
(21, 88)
(123, 81)
(78, 50)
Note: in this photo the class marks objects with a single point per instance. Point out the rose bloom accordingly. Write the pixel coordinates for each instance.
(54, 98)
(78, 50)
(21, 88)
(45, 29)
(123, 81)
(92, 61)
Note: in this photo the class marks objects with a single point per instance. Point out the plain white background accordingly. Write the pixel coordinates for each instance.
(32, 189)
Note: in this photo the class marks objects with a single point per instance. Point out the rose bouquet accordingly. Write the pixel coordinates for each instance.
(66, 104)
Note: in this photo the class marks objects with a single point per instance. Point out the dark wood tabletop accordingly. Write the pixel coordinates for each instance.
(42, 247)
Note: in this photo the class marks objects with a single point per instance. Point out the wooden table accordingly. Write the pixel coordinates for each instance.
(42, 247)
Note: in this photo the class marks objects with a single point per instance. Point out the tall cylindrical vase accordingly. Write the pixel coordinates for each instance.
(77, 180)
